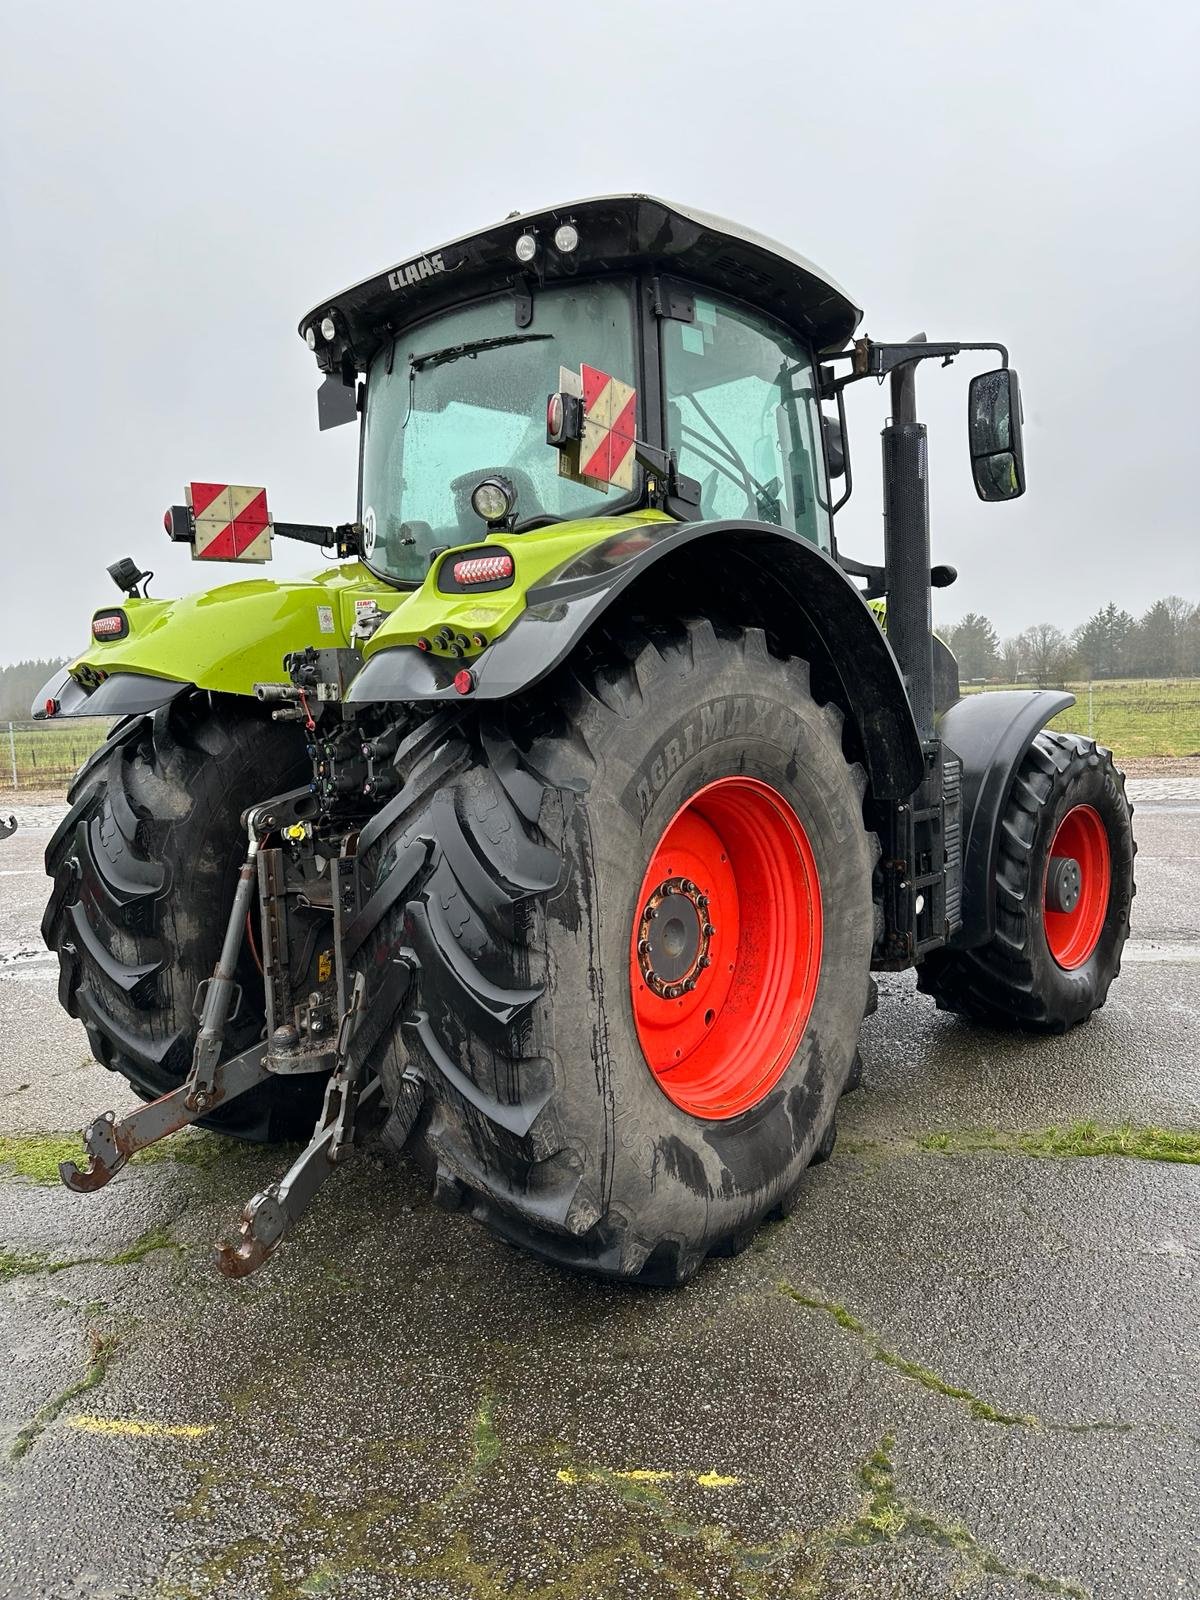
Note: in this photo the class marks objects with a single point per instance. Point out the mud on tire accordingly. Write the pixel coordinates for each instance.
(508, 872)
(144, 866)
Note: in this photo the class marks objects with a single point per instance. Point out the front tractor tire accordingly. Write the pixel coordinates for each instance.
(1064, 889)
(144, 867)
(639, 908)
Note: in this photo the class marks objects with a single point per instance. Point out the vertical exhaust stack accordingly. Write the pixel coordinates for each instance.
(906, 543)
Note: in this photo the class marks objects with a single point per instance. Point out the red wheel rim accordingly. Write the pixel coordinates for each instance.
(724, 972)
(1073, 934)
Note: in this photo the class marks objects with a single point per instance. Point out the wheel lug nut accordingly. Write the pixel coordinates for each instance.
(709, 930)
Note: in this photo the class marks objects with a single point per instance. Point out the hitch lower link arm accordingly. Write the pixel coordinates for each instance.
(110, 1141)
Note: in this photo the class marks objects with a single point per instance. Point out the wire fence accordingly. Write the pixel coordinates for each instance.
(1134, 717)
(46, 755)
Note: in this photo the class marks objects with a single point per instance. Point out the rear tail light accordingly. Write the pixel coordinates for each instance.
(110, 625)
(483, 569)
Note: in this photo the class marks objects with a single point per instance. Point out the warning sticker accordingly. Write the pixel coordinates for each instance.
(325, 618)
(232, 522)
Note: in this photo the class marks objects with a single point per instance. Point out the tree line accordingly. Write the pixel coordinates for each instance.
(18, 685)
(1162, 643)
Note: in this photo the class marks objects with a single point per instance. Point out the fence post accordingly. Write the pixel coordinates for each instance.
(12, 750)
(1091, 719)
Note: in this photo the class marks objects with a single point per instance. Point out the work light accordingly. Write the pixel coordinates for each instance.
(328, 327)
(566, 238)
(526, 247)
(493, 499)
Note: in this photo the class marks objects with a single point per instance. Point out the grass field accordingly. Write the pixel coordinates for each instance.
(1134, 717)
(46, 755)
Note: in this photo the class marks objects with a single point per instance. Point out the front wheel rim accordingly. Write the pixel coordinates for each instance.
(725, 953)
(1082, 840)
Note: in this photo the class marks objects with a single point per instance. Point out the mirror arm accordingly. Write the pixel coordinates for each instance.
(872, 359)
(847, 473)
(876, 578)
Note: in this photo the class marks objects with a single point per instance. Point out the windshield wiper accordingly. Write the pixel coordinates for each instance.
(456, 352)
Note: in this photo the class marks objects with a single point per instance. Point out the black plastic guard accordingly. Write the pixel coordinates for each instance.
(798, 577)
(990, 733)
(121, 695)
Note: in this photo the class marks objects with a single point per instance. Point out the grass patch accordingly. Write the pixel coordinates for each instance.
(1073, 1139)
(485, 1441)
(981, 1410)
(19, 1263)
(886, 1517)
(103, 1347)
(36, 1156)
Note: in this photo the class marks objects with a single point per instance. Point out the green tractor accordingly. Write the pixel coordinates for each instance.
(553, 833)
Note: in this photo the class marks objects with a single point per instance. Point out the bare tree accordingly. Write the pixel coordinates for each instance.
(1011, 656)
(1047, 653)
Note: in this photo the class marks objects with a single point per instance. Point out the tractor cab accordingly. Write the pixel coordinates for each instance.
(710, 334)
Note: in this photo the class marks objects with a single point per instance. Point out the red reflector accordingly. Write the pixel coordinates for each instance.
(464, 681)
(167, 524)
(109, 627)
(483, 569)
(554, 415)
(51, 708)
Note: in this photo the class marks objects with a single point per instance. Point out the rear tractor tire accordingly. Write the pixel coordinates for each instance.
(639, 906)
(1064, 889)
(144, 868)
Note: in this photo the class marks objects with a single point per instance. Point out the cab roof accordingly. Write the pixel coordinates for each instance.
(617, 233)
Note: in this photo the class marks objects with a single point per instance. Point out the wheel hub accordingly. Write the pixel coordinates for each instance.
(674, 938)
(1064, 883)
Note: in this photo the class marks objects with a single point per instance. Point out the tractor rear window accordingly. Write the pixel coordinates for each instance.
(742, 413)
(463, 396)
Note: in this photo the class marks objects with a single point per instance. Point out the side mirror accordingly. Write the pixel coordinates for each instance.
(994, 435)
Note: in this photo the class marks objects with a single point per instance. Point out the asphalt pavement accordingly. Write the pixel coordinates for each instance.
(953, 1370)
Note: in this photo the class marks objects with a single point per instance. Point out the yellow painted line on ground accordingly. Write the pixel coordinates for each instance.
(706, 1480)
(136, 1428)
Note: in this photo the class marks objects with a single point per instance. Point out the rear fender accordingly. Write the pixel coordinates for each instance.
(746, 571)
(225, 639)
(991, 733)
(124, 694)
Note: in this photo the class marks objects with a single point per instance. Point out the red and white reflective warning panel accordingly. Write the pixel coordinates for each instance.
(609, 428)
(232, 522)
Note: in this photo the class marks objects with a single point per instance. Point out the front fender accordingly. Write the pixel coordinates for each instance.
(688, 566)
(990, 733)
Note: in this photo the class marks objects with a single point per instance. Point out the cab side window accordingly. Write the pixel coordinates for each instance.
(742, 414)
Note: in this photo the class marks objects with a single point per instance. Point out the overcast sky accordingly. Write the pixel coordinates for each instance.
(178, 184)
